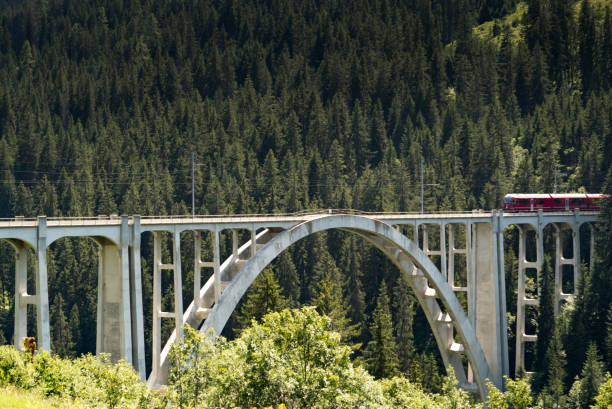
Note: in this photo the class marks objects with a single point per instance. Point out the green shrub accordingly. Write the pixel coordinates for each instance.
(54, 376)
(113, 385)
(14, 368)
(95, 381)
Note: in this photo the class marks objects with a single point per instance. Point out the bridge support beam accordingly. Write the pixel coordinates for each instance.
(114, 326)
(158, 313)
(42, 290)
(22, 298)
(488, 309)
(138, 346)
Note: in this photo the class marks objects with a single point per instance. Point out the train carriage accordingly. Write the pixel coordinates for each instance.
(549, 202)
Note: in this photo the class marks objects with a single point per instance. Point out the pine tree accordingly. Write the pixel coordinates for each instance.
(74, 328)
(591, 377)
(329, 300)
(289, 279)
(587, 42)
(61, 341)
(381, 352)
(546, 320)
(553, 391)
(404, 305)
(264, 296)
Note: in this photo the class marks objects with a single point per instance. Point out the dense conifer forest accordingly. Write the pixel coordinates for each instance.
(300, 104)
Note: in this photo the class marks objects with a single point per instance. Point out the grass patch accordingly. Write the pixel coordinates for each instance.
(12, 398)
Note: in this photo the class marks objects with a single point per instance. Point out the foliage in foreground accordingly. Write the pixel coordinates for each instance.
(292, 358)
(88, 380)
(14, 398)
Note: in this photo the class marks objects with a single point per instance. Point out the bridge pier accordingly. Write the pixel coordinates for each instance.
(138, 342)
(114, 321)
(488, 310)
(22, 298)
(42, 289)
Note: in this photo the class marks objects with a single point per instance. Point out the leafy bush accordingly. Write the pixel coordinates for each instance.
(94, 381)
(290, 358)
(14, 369)
(517, 396)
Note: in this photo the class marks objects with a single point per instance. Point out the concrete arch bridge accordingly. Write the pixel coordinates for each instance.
(470, 242)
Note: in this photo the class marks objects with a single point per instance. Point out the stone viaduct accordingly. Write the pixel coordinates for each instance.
(466, 263)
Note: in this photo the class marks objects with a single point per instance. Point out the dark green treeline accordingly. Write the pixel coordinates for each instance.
(293, 105)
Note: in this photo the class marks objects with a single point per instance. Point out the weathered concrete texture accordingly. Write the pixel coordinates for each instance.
(114, 321)
(42, 289)
(487, 311)
(138, 351)
(113, 332)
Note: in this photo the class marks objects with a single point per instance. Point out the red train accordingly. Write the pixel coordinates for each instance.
(548, 202)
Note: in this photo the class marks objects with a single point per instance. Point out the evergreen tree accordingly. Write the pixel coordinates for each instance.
(591, 377)
(264, 296)
(404, 305)
(553, 392)
(546, 314)
(329, 300)
(380, 354)
(74, 329)
(61, 341)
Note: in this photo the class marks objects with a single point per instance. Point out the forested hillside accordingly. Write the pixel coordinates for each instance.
(292, 105)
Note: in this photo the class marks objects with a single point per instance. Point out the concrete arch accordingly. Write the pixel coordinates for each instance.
(427, 281)
(100, 239)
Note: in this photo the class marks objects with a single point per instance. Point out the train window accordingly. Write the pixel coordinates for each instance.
(524, 202)
(558, 201)
(540, 201)
(507, 200)
(578, 201)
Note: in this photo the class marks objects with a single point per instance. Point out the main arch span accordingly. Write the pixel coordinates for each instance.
(453, 331)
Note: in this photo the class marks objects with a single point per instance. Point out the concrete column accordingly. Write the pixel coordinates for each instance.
(576, 247)
(443, 250)
(114, 316)
(487, 312)
(138, 349)
(253, 240)
(217, 263)
(471, 280)
(591, 244)
(178, 286)
(451, 257)
(197, 269)
(501, 278)
(126, 314)
(21, 297)
(558, 269)
(235, 244)
(42, 290)
(520, 305)
(425, 240)
(156, 324)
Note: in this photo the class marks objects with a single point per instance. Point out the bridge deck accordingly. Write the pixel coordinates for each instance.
(282, 218)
